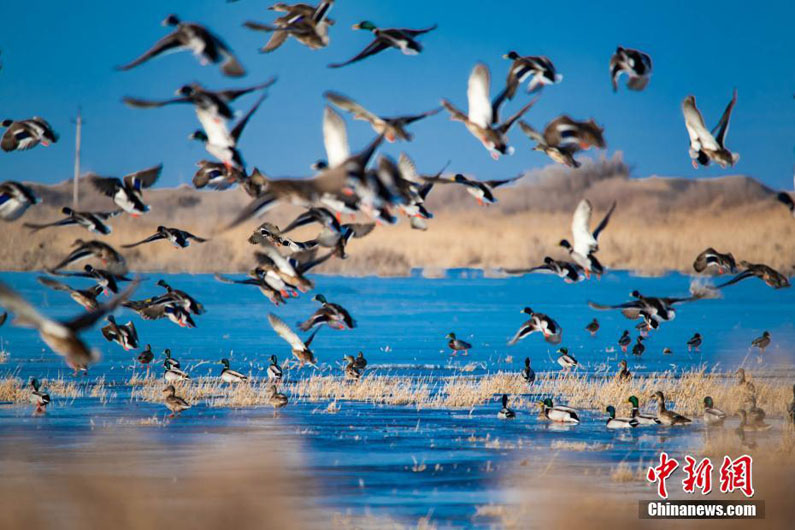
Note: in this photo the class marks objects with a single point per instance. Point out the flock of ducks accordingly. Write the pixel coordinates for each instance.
(345, 183)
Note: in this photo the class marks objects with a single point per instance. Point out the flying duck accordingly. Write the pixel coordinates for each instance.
(569, 271)
(306, 23)
(634, 63)
(96, 249)
(505, 413)
(712, 261)
(126, 192)
(178, 238)
(558, 413)
(483, 120)
(393, 128)
(269, 233)
(108, 280)
(706, 146)
(643, 419)
(619, 423)
(334, 315)
(592, 327)
(26, 134)
(761, 342)
(124, 335)
(539, 69)
(653, 310)
(230, 376)
(275, 372)
(566, 360)
(15, 199)
(668, 417)
(586, 244)
(91, 221)
(713, 417)
(87, 298)
(207, 47)
(403, 39)
(61, 336)
(624, 374)
(300, 348)
(695, 342)
(217, 176)
(528, 374)
(563, 137)
(483, 190)
(173, 402)
(258, 278)
(187, 301)
(551, 330)
(350, 369)
(38, 397)
(457, 345)
(292, 270)
(163, 306)
(767, 274)
(624, 341)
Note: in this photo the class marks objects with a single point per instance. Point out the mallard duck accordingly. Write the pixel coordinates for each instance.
(169, 361)
(162, 306)
(91, 221)
(539, 69)
(668, 417)
(217, 176)
(652, 310)
(566, 360)
(402, 39)
(350, 369)
(749, 426)
(300, 349)
(634, 63)
(277, 399)
(308, 24)
(26, 134)
(257, 278)
(625, 340)
(713, 416)
(360, 363)
(38, 397)
(457, 345)
(15, 199)
(173, 373)
(173, 402)
(124, 335)
(97, 249)
(207, 47)
(87, 298)
(224, 147)
(638, 348)
(762, 342)
(61, 336)
(275, 372)
(126, 192)
(107, 279)
(706, 146)
(334, 315)
(623, 374)
(746, 386)
(570, 272)
(483, 120)
(695, 342)
(505, 413)
(643, 419)
(592, 327)
(188, 302)
(528, 374)
(482, 190)
(756, 415)
(540, 322)
(767, 274)
(619, 423)
(231, 376)
(393, 128)
(586, 244)
(146, 356)
(178, 238)
(292, 270)
(563, 137)
(710, 260)
(558, 413)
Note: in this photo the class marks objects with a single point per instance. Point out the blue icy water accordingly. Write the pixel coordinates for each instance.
(402, 323)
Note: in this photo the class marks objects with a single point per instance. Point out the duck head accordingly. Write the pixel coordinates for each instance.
(563, 351)
(708, 402)
(35, 384)
(623, 363)
(319, 298)
(460, 178)
(527, 311)
(200, 136)
(565, 244)
(659, 396)
(505, 401)
(611, 410)
(634, 401)
(450, 336)
(512, 55)
(169, 390)
(527, 362)
(171, 20)
(548, 402)
(67, 211)
(365, 25)
(225, 362)
(274, 360)
(186, 90)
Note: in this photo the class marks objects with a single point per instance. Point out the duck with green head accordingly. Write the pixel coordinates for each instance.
(713, 417)
(333, 315)
(643, 419)
(558, 413)
(402, 39)
(457, 344)
(619, 423)
(38, 397)
(274, 370)
(231, 376)
(505, 413)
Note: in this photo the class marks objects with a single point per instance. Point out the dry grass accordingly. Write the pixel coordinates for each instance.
(660, 224)
(15, 390)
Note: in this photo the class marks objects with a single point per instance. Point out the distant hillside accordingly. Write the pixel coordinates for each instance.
(661, 223)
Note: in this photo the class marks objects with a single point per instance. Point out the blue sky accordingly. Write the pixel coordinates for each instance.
(61, 55)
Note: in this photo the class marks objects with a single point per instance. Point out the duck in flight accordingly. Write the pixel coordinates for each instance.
(92, 221)
(179, 238)
(95, 249)
(712, 261)
(570, 272)
(563, 137)
(586, 244)
(299, 348)
(15, 199)
(403, 39)
(636, 64)
(26, 134)
(206, 46)
(126, 192)
(538, 69)
(87, 298)
(306, 23)
(767, 274)
(708, 146)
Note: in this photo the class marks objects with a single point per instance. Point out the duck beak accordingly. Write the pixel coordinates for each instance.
(356, 26)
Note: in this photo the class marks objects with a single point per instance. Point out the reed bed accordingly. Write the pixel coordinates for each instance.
(14, 390)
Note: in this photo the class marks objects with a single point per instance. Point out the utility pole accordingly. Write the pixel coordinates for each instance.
(79, 123)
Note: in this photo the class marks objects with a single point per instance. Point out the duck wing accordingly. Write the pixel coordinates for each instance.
(143, 178)
(234, 93)
(414, 32)
(284, 331)
(502, 182)
(722, 128)
(532, 133)
(481, 112)
(603, 223)
(507, 124)
(90, 318)
(106, 185)
(238, 130)
(152, 104)
(584, 240)
(172, 41)
(373, 48)
(351, 106)
(335, 137)
(154, 237)
(700, 137)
